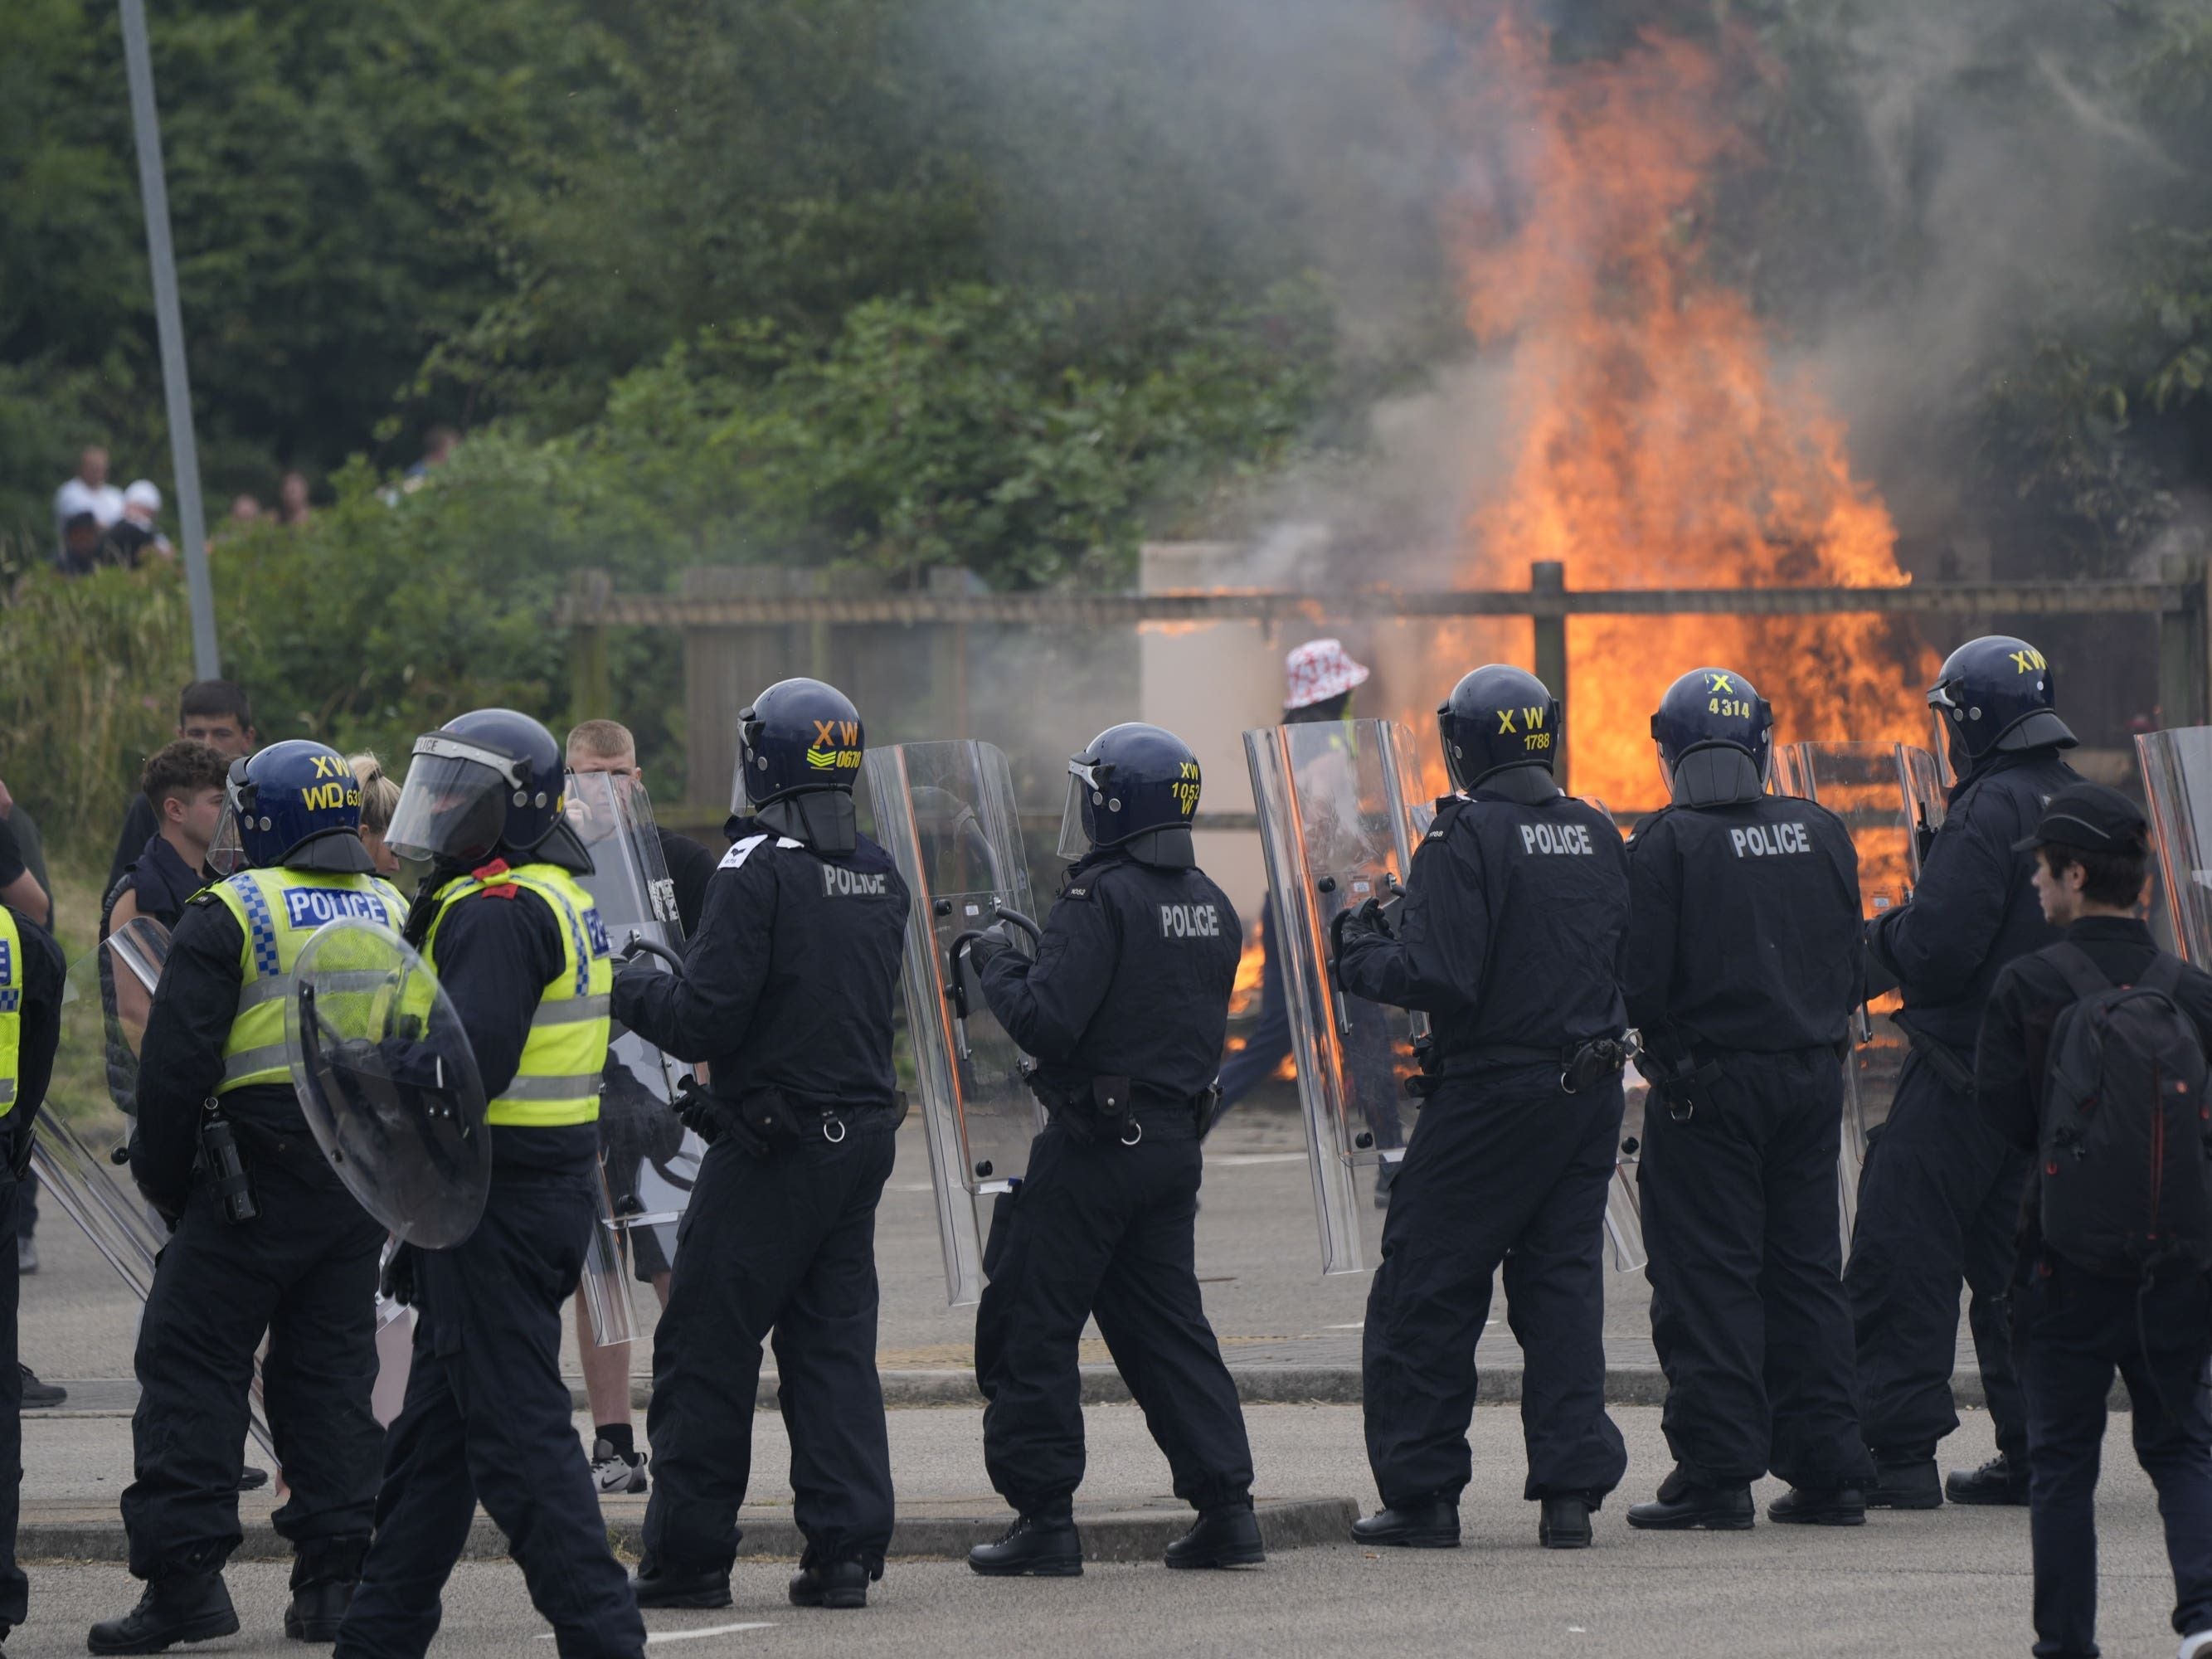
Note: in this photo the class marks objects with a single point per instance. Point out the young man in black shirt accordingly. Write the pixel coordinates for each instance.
(212, 712)
(2072, 1327)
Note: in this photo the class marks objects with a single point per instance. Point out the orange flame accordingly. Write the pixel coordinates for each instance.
(1244, 997)
(1657, 441)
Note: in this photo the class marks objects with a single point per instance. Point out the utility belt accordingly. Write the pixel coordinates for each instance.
(764, 1120)
(1580, 1066)
(1123, 1108)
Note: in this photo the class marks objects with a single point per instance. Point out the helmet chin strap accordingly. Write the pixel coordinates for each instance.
(825, 820)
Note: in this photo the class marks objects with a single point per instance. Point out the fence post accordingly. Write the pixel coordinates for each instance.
(590, 683)
(1548, 577)
(2185, 678)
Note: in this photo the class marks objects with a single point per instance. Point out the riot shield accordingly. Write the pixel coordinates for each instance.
(1890, 797)
(946, 812)
(2177, 776)
(650, 1159)
(1340, 811)
(77, 1139)
(388, 1083)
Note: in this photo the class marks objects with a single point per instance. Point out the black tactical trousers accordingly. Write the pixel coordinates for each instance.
(487, 1417)
(1747, 1308)
(784, 1243)
(2074, 1329)
(1509, 1170)
(14, 1589)
(1939, 1200)
(304, 1272)
(1101, 1229)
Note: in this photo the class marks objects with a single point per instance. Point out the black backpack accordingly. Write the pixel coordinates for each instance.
(2127, 1173)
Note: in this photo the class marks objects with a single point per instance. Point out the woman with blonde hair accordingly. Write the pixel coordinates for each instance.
(378, 796)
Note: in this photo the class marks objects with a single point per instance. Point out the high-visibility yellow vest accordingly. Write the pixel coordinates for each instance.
(278, 911)
(566, 1053)
(11, 1007)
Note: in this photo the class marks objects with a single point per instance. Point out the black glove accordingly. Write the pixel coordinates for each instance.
(399, 1282)
(19, 1155)
(989, 943)
(1366, 922)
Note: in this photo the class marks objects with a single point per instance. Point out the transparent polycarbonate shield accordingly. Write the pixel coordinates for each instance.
(946, 811)
(1890, 797)
(1341, 812)
(79, 1134)
(388, 1083)
(650, 1157)
(2177, 775)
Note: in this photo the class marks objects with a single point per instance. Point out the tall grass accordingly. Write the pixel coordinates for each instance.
(89, 672)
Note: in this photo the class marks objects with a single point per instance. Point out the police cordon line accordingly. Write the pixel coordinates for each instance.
(346, 1103)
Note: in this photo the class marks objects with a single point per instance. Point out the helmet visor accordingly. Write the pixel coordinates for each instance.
(1665, 766)
(1075, 823)
(227, 852)
(1950, 738)
(453, 805)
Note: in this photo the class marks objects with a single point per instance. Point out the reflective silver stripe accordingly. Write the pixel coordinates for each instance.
(553, 1088)
(269, 1057)
(267, 989)
(7, 1092)
(571, 1010)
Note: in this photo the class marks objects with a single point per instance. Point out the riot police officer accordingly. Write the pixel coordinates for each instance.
(1941, 1194)
(281, 1250)
(786, 992)
(31, 976)
(518, 948)
(1507, 938)
(1124, 1008)
(1740, 975)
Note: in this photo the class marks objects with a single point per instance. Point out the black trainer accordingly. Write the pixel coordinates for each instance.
(1033, 1548)
(1564, 1523)
(1433, 1525)
(1226, 1537)
(37, 1395)
(655, 1586)
(1685, 1505)
(834, 1584)
(1907, 1485)
(1819, 1506)
(317, 1610)
(172, 1610)
(2000, 1480)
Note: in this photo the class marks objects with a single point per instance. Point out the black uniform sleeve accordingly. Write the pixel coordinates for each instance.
(11, 856)
(43, 976)
(180, 1057)
(1649, 955)
(495, 957)
(1436, 964)
(2004, 1063)
(1937, 943)
(690, 868)
(706, 1011)
(139, 824)
(1047, 1004)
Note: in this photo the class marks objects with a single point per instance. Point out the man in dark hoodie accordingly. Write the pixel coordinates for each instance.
(1740, 975)
(1940, 1198)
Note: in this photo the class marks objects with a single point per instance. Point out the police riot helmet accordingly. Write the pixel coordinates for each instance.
(295, 803)
(1712, 708)
(1135, 787)
(487, 783)
(797, 738)
(1496, 717)
(1995, 692)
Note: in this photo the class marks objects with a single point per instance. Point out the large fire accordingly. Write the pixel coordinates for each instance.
(1655, 442)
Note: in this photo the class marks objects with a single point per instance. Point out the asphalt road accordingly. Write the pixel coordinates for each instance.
(1953, 1583)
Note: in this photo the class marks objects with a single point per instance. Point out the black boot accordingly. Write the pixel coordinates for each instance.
(1685, 1505)
(657, 1586)
(832, 1584)
(1431, 1525)
(172, 1610)
(1035, 1547)
(1905, 1483)
(2000, 1480)
(1225, 1537)
(1819, 1506)
(317, 1610)
(1564, 1523)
